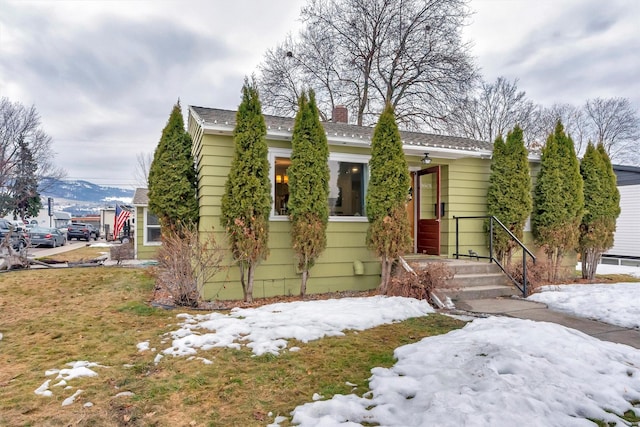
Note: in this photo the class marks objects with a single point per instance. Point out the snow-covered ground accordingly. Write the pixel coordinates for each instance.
(501, 371)
(266, 329)
(495, 371)
(616, 304)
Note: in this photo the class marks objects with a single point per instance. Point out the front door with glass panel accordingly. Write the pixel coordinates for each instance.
(428, 211)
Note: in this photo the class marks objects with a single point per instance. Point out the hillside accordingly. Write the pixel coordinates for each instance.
(83, 191)
(81, 198)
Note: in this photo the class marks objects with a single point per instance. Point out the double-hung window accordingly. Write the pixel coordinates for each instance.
(152, 235)
(349, 175)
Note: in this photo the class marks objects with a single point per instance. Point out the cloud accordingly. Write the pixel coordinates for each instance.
(104, 75)
(562, 52)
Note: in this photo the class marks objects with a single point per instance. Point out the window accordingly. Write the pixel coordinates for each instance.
(347, 185)
(346, 188)
(152, 233)
(281, 180)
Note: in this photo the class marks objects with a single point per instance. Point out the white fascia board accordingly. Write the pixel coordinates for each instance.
(445, 153)
(227, 129)
(218, 129)
(283, 134)
(195, 116)
(534, 157)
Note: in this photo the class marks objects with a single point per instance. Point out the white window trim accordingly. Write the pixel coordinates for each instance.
(273, 153)
(144, 230)
(338, 157)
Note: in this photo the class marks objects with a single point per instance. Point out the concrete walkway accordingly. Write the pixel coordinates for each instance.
(522, 309)
(42, 253)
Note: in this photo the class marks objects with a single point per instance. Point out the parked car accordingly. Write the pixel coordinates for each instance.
(46, 236)
(82, 231)
(17, 235)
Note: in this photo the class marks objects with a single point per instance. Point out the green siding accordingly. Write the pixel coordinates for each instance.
(143, 251)
(277, 275)
(464, 184)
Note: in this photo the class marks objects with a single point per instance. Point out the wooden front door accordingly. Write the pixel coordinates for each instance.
(428, 209)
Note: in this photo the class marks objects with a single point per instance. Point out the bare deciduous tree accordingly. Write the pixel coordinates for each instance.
(495, 109)
(616, 125)
(286, 72)
(21, 125)
(610, 121)
(141, 173)
(366, 53)
(576, 125)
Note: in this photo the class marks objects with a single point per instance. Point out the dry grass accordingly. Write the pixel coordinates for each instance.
(81, 254)
(615, 278)
(51, 317)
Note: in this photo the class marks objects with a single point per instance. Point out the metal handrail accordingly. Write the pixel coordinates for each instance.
(525, 251)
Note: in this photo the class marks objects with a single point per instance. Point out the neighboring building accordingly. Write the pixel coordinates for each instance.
(57, 220)
(626, 249)
(451, 181)
(107, 219)
(147, 227)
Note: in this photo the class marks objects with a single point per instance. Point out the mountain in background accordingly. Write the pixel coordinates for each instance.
(82, 197)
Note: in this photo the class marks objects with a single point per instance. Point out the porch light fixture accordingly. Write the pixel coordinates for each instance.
(278, 179)
(426, 159)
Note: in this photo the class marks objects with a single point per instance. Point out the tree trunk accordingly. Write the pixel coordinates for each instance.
(590, 258)
(559, 258)
(595, 259)
(251, 269)
(303, 283)
(385, 273)
(243, 282)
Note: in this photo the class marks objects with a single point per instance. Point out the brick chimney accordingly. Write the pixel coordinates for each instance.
(340, 114)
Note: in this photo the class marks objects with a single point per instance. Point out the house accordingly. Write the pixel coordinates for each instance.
(450, 177)
(107, 218)
(58, 219)
(147, 236)
(625, 250)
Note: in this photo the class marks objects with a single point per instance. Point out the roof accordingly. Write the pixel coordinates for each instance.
(140, 197)
(217, 120)
(627, 175)
(61, 215)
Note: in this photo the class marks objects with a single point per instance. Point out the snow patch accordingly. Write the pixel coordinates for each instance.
(267, 329)
(69, 400)
(494, 371)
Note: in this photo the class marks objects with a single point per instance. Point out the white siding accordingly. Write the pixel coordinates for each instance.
(627, 235)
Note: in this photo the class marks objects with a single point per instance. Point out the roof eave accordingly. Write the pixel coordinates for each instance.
(446, 152)
(335, 139)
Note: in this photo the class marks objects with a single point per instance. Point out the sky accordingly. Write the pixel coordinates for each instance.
(104, 75)
(496, 370)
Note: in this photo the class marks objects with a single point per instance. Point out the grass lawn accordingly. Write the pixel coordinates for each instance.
(50, 317)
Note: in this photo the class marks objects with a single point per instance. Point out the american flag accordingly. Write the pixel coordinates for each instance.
(122, 215)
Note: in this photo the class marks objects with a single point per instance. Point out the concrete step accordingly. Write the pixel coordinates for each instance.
(456, 266)
(477, 292)
(475, 280)
(474, 268)
(471, 279)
